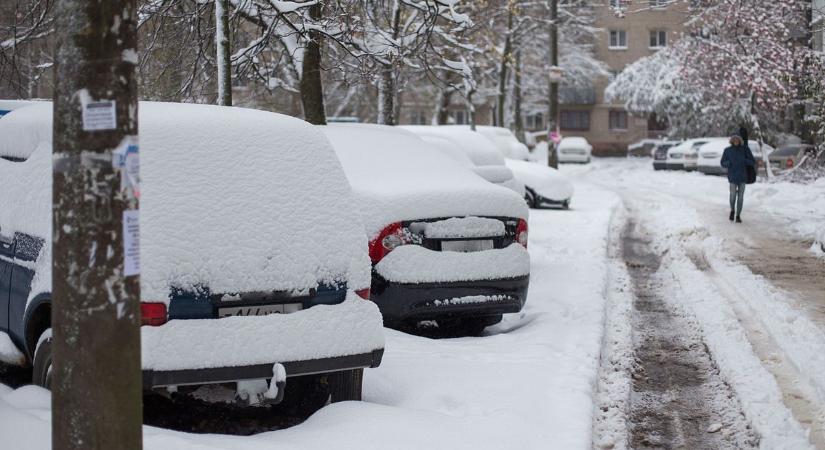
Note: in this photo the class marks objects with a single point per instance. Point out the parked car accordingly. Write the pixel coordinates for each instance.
(685, 155)
(7, 106)
(251, 251)
(789, 156)
(545, 186)
(446, 246)
(643, 148)
(505, 141)
(484, 159)
(710, 156)
(574, 150)
(660, 154)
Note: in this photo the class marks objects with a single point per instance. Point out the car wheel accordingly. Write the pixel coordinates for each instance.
(566, 204)
(42, 370)
(346, 385)
(530, 199)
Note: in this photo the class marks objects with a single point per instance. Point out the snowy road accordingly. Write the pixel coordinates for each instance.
(641, 294)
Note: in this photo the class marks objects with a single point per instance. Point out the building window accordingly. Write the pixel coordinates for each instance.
(418, 118)
(535, 121)
(618, 120)
(618, 39)
(574, 120)
(658, 38)
(612, 74)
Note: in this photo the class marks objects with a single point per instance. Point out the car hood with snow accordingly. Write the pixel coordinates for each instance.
(396, 176)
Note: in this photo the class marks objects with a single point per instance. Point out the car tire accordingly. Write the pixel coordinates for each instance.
(42, 361)
(565, 204)
(530, 198)
(346, 385)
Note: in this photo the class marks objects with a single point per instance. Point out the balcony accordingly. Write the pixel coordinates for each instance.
(577, 95)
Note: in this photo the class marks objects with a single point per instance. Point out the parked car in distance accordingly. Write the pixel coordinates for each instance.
(504, 140)
(685, 155)
(659, 154)
(485, 159)
(252, 257)
(7, 106)
(446, 246)
(574, 150)
(710, 156)
(789, 156)
(643, 148)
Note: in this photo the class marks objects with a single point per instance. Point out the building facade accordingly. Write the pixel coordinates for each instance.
(648, 26)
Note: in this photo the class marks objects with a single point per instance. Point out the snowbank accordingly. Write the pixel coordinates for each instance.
(337, 330)
(416, 264)
(234, 199)
(396, 176)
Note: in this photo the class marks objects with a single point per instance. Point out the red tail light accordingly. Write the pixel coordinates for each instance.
(789, 163)
(363, 293)
(521, 232)
(152, 314)
(391, 237)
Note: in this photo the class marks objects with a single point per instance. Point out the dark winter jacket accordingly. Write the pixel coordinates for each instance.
(736, 159)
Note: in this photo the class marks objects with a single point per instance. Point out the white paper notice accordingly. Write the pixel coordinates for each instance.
(100, 115)
(131, 242)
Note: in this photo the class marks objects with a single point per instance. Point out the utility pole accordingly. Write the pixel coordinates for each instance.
(222, 49)
(96, 372)
(553, 109)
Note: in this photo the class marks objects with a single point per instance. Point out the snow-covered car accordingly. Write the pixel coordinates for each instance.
(446, 245)
(545, 186)
(789, 156)
(710, 156)
(504, 140)
(643, 148)
(685, 155)
(484, 159)
(251, 251)
(7, 106)
(574, 150)
(659, 154)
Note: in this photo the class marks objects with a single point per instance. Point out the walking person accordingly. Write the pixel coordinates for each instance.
(737, 158)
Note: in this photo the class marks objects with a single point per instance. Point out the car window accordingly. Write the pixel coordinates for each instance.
(787, 151)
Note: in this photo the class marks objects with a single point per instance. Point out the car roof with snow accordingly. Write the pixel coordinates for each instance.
(479, 149)
(236, 199)
(574, 141)
(718, 145)
(397, 176)
(691, 144)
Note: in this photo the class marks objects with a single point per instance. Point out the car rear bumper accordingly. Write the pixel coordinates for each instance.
(659, 165)
(430, 301)
(675, 166)
(161, 378)
(542, 201)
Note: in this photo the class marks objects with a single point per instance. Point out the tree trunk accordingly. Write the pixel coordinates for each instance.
(760, 137)
(312, 88)
(517, 94)
(553, 101)
(223, 50)
(502, 73)
(386, 97)
(96, 377)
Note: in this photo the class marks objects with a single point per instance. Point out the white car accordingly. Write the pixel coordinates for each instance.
(446, 245)
(465, 145)
(504, 140)
(710, 156)
(545, 185)
(574, 150)
(252, 256)
(684, 156)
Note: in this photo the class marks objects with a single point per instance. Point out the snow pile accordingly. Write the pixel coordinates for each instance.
(541, 179)
(416, 264)
(9, 353)
(819, 243)
(470, 300)
(348, 328)
(234, 199)
(396, 176)
(464, 227)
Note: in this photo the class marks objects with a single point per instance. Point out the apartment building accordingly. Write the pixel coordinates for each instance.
(648, 26)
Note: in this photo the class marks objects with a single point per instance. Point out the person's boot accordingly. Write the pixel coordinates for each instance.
(731, 215)
(738, 219)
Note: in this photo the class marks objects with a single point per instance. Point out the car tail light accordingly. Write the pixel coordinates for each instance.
(390, 238)
(152, 314)
(363, 293)
(521, 232)
(789, 163)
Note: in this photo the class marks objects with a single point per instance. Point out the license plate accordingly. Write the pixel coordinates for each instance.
(259, 310)
(467, 246)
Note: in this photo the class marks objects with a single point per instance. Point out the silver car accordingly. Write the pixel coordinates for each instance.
(790, 156)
